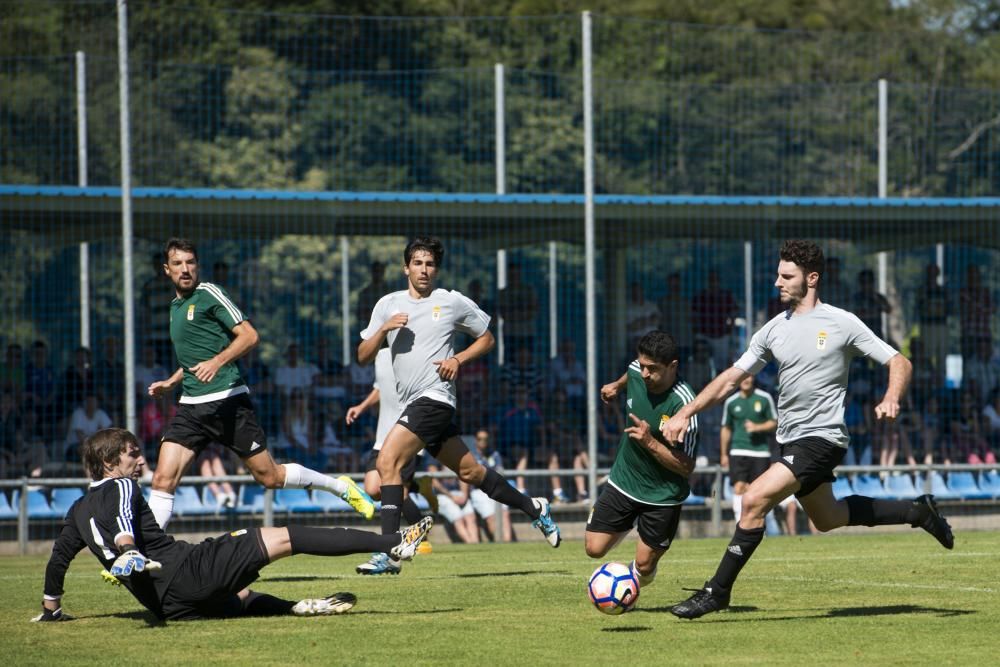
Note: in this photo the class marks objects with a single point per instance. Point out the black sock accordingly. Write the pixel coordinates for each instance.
(392, 504)
(740, 548)
(865, 511)
(263, 604)
(337, 541)
(410, 511)
(496, 487)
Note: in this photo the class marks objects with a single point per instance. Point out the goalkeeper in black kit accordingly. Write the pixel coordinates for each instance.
(178, 580)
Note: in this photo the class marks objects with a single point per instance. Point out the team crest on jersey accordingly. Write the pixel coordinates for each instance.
(436, 313)
(756, 406)
(190, 312)
(821, 341)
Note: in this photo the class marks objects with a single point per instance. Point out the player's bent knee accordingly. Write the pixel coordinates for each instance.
(594, 548)
(824, 525)
(473, 476)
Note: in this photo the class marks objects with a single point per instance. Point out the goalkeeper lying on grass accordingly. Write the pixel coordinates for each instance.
(178, 580)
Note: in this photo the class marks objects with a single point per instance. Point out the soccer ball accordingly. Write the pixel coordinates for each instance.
(613, 588)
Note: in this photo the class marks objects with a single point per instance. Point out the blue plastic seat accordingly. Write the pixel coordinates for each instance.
(63, 498)
(420, 502)
(901, 487)
(727, 488)
(963, 484)
(938, 487)
(38, 505)
(6, 511)
(989, 482)
(842, 487)
(251, 499)
(295, 500)
(329, 502)
(869, 485)
(694, 499)
(188, 503)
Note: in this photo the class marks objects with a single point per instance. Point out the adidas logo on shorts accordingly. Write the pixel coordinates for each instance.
(255, 446)
(790, 459)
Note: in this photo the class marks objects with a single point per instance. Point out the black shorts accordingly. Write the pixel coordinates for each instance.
(230, 421)
(431, 421)
(615, 512)
(812, 461)
(206, 583)
(409, 470)
(747, 468)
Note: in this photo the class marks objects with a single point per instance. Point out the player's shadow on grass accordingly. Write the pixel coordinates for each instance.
(890, 610)
(520, 573)
(376, 612)
(295, 578)
(148, 617)
(628, 628)
(661, 610)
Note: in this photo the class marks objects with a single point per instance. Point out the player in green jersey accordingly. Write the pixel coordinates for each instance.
(210, 333)
(649, 478)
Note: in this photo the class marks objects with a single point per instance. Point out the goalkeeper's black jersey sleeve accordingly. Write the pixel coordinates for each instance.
(111, 508)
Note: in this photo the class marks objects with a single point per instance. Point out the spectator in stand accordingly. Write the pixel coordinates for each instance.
(369, 295)
(870, 305)
(932, 429)
(641, 316)
(521, 432)
(40, 391)
(610, 426)
(981, 374)
(564, 433)
(77, 383)
(517, 304)
(675, 315)
(522, 371)
(156, 414)
(713, 310)
(330, 383)
(926, 379)
(155, 297)
(297, 441)
(295, 374)
(454, 506)
(836, 292)
(12, 372)
(148, 371)
(265, 398)
(210, 464)
(86, 420)
(474, 290)
(336, 444)
(933, 308)
(992, 415)
(11, 435)
(858, 413)
(484, 506)
(360, 378)
(976, 308)
(110, 378)
(567, 373)
(968, 434)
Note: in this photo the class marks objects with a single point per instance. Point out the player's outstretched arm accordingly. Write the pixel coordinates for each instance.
(715, 391)
(612, 389)
(900, 372)
(162, 387)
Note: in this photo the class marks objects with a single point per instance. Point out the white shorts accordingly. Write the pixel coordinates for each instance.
(450, 510)
(482, 503)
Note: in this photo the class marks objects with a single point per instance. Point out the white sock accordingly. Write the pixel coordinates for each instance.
(643, 579)
(737, 506)
(300, 477)
(162, 504)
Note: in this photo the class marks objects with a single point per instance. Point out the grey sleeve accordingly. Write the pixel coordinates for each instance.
(379, 315)
(469, 318)
(758, 353)
(865, 342)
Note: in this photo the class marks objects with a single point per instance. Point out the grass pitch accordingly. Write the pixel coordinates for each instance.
(875, 599)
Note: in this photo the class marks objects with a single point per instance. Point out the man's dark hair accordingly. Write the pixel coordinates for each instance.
(105, 448)
(803, 253)
(658, 346)
(176, 243)
(427, 244)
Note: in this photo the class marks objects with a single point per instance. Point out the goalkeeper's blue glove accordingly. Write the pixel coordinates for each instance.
(132, 561)
(48, 616)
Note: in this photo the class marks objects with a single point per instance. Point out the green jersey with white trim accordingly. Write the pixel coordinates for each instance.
(636, 472)
(757, 408)
(201, 326)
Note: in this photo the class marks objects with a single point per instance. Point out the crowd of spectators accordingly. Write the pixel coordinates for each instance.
(532, 407)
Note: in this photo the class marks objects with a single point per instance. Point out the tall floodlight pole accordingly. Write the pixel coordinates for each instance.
(500, 153)
(883, 182)
(126, 158)
(590, 296)
(81, 169)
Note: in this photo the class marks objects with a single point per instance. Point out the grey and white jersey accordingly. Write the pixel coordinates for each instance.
(427, 337)
(813, 352)
(389, 408)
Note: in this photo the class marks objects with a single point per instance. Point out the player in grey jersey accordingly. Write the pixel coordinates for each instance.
(419, 324)
(813, 344)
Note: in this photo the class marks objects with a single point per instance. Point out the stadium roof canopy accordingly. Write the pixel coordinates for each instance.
(74, 214)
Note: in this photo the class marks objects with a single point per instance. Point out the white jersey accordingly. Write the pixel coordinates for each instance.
(427, 337)
(389, 408)
(813, 352)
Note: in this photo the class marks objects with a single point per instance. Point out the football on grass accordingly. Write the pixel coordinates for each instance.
(613, 588)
